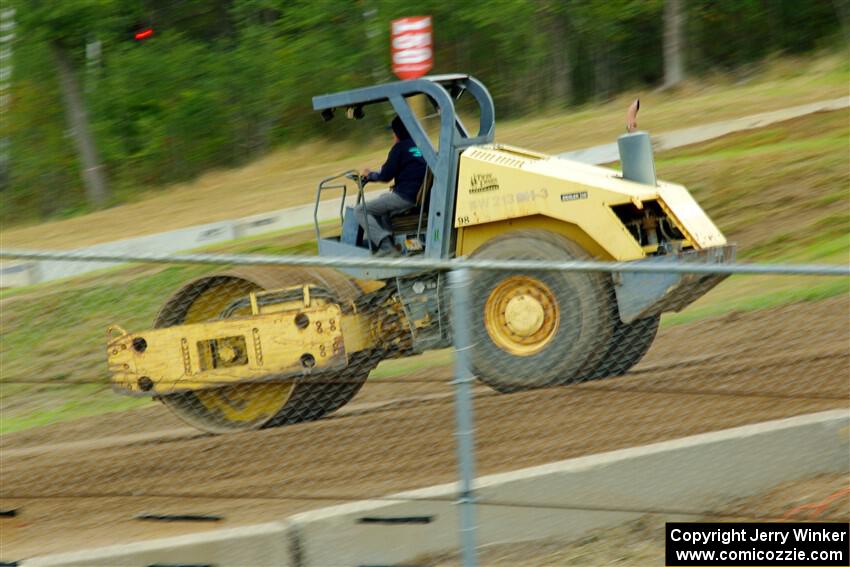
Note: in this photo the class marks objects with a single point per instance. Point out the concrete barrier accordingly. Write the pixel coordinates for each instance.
(166, 242)
(679, 478)
(27, 273)
(257, 545)
(567, 499)
(19, 274)
(609, 153)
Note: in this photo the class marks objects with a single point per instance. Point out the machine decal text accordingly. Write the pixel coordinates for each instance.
(574, 196)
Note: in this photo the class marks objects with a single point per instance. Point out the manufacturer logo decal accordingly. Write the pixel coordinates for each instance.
(482, 182)
(573, 196)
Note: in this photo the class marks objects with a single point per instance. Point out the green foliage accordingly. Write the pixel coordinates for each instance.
(44, 181)
(222, 82)
(67, 23)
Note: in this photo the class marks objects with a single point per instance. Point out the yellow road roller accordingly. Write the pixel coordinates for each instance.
(266, 346)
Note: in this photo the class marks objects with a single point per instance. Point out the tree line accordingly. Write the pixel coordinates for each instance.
(97, 114)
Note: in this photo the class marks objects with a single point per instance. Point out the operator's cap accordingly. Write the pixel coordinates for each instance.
(397, 126)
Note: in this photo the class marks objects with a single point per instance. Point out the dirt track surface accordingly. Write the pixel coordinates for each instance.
(81, 484)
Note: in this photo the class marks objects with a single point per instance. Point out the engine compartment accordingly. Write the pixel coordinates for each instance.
(651, 227)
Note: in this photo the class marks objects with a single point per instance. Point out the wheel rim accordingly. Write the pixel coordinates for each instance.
(227, 408)
(521, 315)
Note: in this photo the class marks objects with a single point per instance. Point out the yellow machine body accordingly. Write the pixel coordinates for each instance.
(502, 188)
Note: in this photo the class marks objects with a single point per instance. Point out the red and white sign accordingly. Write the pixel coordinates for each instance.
(411, 47)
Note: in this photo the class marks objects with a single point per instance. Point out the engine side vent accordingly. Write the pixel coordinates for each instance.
(650, 225)
(503, 156)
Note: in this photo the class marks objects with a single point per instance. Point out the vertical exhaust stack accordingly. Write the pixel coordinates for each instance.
(636, 151)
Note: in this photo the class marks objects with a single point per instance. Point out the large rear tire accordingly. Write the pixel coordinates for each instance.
(629, 343)
(531, 330)
(243, 407)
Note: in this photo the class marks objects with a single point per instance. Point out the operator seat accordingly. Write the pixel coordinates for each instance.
(407, 221)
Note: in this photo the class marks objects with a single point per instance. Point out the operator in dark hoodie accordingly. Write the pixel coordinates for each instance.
(406, 165)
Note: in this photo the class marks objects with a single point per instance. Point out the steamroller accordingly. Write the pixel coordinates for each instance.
(259, 347)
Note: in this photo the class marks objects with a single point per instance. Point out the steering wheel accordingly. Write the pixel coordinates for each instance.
(357, 178)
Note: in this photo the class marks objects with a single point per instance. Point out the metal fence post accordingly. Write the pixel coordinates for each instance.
(459, 281)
